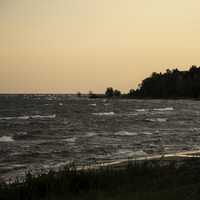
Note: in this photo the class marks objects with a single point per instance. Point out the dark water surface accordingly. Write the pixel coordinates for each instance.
(45, 131)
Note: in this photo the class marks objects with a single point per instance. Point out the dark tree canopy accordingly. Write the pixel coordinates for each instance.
(109, 92)
(117, 93)
(171, 84)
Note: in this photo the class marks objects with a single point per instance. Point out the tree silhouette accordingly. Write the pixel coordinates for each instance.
(171, 84)
(117, 93)
(109, 92)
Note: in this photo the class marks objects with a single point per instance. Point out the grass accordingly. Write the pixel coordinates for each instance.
(149, 180)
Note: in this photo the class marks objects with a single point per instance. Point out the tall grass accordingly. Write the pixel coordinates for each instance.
(137, 180)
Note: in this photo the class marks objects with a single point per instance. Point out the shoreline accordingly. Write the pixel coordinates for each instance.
(117, 164)
(174, 179)
(164, 157)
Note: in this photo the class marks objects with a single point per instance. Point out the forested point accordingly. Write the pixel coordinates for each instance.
(170, 84)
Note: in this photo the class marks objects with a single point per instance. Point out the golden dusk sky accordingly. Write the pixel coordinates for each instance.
(65, 46)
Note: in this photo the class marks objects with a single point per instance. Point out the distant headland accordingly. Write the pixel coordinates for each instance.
(171, 84)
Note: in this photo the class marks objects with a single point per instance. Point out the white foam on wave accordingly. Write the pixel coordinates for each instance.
(141, 110)
(6, 139)
(51, 98)
(29, 117)
(93, 104)
(6, 118)
(104, 113)
(23, 117)
(91, 134)
(43, 116)
(147, 133)
(125, 133)
(195, 129)
(164, 109)
(11, 118)
(157, 119)
(130, 153)
(21, 133)
(73, 139)
(61, 164)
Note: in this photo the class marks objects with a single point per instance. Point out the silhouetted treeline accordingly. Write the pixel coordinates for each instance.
(109, 93)
(171, 84)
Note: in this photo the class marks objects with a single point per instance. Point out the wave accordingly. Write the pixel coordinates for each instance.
(195, 129)
(141, 110)
(11, 118)
(6, 139)
(73, 139)
(91, 134)
(23, 117)
(29, 117)
(60, 165)
(125, 133)
(93, 104)
(157, 119)
(21, 133)
(104, 113)
(129, 153)
(164, 109)
(147, 133)
(43, 116)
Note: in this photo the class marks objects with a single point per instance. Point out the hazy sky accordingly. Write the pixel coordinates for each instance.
(82, 45)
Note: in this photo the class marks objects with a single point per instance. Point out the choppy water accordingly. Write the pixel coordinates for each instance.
(45, 131)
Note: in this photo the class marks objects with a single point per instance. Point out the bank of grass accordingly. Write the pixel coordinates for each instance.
(149, 180)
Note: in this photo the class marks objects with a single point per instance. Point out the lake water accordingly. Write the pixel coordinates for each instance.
(49, 131)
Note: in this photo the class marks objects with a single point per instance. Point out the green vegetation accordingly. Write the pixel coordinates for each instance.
(148, 180)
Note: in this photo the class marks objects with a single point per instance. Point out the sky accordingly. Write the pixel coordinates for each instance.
(66, 46)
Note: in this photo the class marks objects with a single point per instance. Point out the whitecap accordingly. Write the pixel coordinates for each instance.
(6, 118)
(141, 110)
(6, 139)
(104, 113)
(195, 129)
(11, 118)
(23, 117)
(125, 133)
(73, 139)
(146, 133)
(51, 98)
(129, 153)
(157, 119)
(164, 109)
(43, 116)
(29, 117)
(91, 134)
(93, 104)
(61, 164)
(21, 133)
